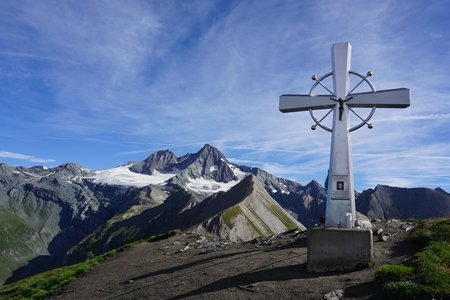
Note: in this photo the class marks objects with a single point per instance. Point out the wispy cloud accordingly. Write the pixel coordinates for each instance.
(144, 76)
(30, 158)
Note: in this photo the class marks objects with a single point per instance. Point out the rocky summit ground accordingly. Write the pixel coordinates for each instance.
(197, 267)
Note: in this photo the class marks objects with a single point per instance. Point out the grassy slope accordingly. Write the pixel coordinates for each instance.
(428, 275)
(18, 243)
(236, 210)
(44, 284)
(115, 232)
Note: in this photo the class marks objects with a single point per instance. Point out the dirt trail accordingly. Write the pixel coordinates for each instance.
(274, 269)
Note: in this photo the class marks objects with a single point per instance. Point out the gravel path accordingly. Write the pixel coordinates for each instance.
(194, 267)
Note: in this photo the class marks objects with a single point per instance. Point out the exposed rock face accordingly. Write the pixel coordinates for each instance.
(391, 202)
(243, 213)
(52, 210)
(440, 190)
(129, 227)
(159, 161)
(20, 242)
(45, 212)
(250, 213)
(208, 163)
(272, 183)
(306, 203)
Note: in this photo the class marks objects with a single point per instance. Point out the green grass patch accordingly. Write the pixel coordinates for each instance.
(19, 243)
(282, 216)
(257, 217)
(44, 284)
(428, 276)
(435, 230)
(255, 228)
(432, 267)
(393, 273)
(230, 215)
(407, 290)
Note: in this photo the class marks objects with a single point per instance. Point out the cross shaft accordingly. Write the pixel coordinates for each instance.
(340, 206)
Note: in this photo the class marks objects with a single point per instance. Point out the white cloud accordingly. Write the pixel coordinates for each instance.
(151, 76)
(30, 158)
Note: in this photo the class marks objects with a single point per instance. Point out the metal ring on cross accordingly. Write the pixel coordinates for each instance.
(363, 121)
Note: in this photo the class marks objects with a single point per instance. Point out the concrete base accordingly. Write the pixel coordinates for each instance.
(332, 249)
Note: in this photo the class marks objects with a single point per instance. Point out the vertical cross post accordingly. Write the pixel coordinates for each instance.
(340, 194)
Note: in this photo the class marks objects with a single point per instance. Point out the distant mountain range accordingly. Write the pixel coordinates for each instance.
(49, 217)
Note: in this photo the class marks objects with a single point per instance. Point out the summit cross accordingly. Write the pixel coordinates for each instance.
(340, 206)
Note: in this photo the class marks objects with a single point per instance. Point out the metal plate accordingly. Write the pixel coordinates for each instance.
(340, 186)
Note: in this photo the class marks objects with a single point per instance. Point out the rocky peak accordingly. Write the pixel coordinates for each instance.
(272, 183)
(208, 163)
(68, 166)
(38, 168)
(70, 169)
(314, 188)
(161, 161)
(4, 168)
(210, 150)
(162, 156)
(6, 174)
(442, 191)
(210, 153)
(382, 187)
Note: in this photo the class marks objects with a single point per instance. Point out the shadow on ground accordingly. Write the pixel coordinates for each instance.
(198, 262)
(245, 279)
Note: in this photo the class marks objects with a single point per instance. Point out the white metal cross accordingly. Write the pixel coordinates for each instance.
(340, 208)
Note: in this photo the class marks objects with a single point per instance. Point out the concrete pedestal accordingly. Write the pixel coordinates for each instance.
(332, 249)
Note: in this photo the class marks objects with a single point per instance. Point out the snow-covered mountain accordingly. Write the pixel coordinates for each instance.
(57, 207)
(205, 172)
(44, 212)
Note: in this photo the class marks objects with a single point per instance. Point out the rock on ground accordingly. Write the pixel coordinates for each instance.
(274, 267)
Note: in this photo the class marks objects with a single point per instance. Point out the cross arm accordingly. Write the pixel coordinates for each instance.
(292, 103)
(396, 98)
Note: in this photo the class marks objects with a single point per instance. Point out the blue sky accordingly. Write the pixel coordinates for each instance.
(105, 82)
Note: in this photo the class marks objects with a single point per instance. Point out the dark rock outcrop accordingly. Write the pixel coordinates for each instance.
(160, 161)
(392, 202)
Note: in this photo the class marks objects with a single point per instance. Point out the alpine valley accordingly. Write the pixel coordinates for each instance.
(52, 217)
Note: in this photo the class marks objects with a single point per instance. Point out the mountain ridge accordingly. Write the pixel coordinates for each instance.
(60, 207)
(247, 203)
